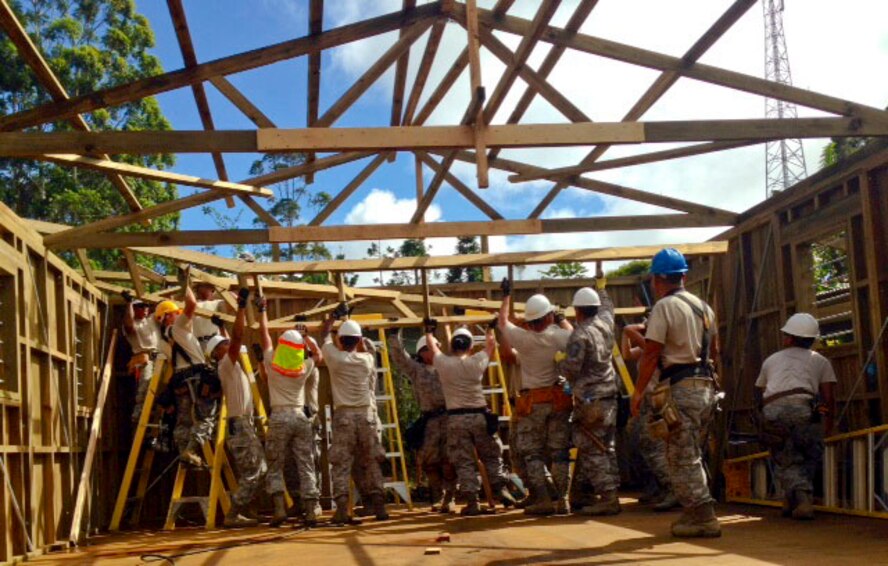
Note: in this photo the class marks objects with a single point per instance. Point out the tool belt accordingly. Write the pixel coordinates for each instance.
(429, 415)
(679, 372)
(137, 361)
(491, 417)
(207, 382)
(787, 393)
(553, 394)
(665, 417)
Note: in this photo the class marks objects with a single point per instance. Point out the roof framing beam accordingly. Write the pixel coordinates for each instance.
(313, 92)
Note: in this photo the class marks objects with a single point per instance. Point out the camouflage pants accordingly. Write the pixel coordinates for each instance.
(249, 459)
(797, 457)
(652, 449)
(516, 460)
(467, 434)
(355, 440)
(544, 436)
(594, 427)
(695, 400)
(194, 427)
(143, 376)
(291, 466)
(290, 432)
(433, 456)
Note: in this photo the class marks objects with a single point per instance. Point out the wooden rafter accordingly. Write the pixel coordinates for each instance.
(242, 103)
(401, 73)
(307, 168)
(348, 190)
(422, 73)
(475, 115)
(315, 27)
(460, 187)
(447, 82)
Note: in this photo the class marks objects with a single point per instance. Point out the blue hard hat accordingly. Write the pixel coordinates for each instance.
(669, 261)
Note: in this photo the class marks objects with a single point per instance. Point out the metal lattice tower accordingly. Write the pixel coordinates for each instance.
(784, 159)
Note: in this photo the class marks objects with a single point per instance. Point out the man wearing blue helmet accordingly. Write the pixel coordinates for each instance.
(680, 341)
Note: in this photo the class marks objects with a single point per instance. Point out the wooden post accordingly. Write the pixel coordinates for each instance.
(478, 94)
(94, 433)
(426, 306)
(512, 283)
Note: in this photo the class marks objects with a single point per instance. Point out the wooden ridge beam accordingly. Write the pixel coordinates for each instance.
(659, 87)
(121, 94)
(348, 190)
(313, 92)
(47, 78)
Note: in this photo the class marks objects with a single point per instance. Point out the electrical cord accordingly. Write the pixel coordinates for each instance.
(170, 559)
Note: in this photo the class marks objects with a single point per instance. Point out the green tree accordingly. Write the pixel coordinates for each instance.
(838, 149)
(89, 45)
(466, 245)
(566, 270)
(409, 248)
(635, 267)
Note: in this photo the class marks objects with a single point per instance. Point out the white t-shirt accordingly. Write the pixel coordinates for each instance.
(537, 351)
(203, 328)
(461, 379)
(351, 375)
(283, 390)
(794, 367)
(182, 333)
(675, 325)
(145, 337)
(236, 388)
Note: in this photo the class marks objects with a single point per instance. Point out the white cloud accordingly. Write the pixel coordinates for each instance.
(383, 207)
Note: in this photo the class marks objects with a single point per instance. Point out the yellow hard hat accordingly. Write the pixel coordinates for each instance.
(165, 308)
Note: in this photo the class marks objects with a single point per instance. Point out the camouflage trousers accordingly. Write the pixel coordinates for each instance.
(652, 449)
(798, 456)
(433, 458)
(290, 433)
(355, 441)
(695, 400)
(195, 421)
(292, 469)
(595, 427)
(144, 373)
(544, 436)
(467, 434)
(249, 459)
(516, 460)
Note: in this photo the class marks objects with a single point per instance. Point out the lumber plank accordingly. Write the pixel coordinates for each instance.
(477, 117)
(315, 27)
(401, 74)
(348, 190)
(135, 275)
(241, 102)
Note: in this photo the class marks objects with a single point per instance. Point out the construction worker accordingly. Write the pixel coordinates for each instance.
(432, 424)
(291, 464)
(290, 428)
(194, 389)
(680, 340)
(794, 418)
(205, 328)
(542, 408)
(588, 367)
(471, 427)
(142, 334)
(352, 370)
(512, 366)
(651, 448)
(241, 438)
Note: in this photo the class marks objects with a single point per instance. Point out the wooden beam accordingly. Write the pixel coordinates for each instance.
(348, 190)
(106, 166)
(135, 276)
(459, 186)
(121, 94)
(242, 103)
(402, 308)
(653, 157)
(422, 73)
(478, 119)
(315, 27)
(447, 82)
(86, 266)
(401, 74)
(307, 168)
(419, 178)
(47, 78)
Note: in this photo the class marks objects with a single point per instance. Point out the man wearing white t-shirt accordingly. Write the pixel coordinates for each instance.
(787, 384)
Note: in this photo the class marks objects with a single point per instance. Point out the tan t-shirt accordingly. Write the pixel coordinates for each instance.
(203, 328)
(673, 324)
(236, 388)
(181, 332)
(145, 337)
(285, 391)
(537, 351)
(351, 374)
(794, 367)
(461, 379)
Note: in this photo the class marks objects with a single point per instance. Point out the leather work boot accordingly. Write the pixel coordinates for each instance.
(804, 509)
(280, 510)
(189, 457)
(234, 519)
(542, 506)
(341, 516)
(562, 507)
(698, 522)
(378, 503)
(667, 503)
(789, 504)
(505, 497)
(312, 512)
(364, 511)
(609, 504)
(446, 503)
(472, 508)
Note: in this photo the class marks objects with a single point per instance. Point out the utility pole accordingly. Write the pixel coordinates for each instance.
(784, 159)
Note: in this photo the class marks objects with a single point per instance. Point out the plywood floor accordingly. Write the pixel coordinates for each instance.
(752, 535)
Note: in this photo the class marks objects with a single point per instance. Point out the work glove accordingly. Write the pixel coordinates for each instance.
(560, 357)
(493, 323)
(430, 324)
(243, 294)
(559, 315)
(301, 329)
(506, 287)
(341, 311)
(127, 297)
(217, 321)
(261, 303)
(300, 318)
(600, 282)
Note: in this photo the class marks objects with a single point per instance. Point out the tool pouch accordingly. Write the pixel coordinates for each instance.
(523, 406)
(136, 362)
(665, 412)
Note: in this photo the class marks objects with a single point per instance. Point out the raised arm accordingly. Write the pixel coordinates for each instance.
(315, 349)
(264, 335)
(632, 341)
(506, 287)
(490, 343)
(606, 310)
(190, 299)
(430, 326)
(237, 332)
(129, 318)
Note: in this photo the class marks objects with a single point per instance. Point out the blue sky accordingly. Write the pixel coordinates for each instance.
(832, 51)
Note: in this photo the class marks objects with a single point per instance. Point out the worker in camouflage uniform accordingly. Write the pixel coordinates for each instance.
(355, 428)
(680, 340)
(289, 428)
(291, 463)
(588, 367)
(142, 334)
(243, 443)
(432, 422)
(471, 427)
(542, 408)
(794, 418)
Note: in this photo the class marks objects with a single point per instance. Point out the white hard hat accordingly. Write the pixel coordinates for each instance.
(537, 307)
(586, 297)
(292, 336)
(462, 332)
(211, 345)
(802, 325)
(423, 343)
(350, 328)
